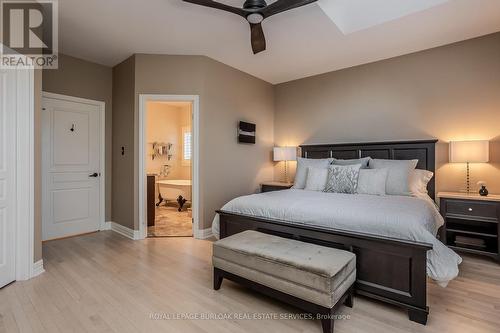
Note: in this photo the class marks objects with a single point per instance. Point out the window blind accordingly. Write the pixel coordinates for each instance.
(187, 145)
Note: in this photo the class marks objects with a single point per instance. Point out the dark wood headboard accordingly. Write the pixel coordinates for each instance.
(424, 151)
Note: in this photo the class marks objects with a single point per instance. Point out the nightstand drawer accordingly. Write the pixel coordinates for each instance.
(469, 208)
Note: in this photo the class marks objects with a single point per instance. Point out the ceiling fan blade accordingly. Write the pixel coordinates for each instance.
(258, 38)
(218, 5)
(284, 5)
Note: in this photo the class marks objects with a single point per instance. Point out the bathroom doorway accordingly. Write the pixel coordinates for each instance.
(169, 163)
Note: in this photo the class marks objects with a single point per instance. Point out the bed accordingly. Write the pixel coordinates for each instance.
(392, 266)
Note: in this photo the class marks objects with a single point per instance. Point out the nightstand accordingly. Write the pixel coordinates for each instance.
(274, 186)
(472, 223)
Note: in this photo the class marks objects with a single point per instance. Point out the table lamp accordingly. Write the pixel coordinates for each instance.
(285, 154)
(469, 152)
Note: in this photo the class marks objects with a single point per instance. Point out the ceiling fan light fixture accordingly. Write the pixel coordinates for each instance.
(255, 18)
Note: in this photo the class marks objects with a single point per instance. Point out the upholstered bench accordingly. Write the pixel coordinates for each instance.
(315, 278)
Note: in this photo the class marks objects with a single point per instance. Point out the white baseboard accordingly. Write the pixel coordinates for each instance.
(124, 231)
(204, 233)
(136, 234)
(37, 268)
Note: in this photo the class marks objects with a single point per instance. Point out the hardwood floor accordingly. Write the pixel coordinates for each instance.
(106, 283)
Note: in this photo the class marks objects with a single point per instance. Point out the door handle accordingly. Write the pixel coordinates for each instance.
(94, 175)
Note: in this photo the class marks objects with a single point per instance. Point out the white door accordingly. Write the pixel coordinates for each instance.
(71, 182)
(8, 83)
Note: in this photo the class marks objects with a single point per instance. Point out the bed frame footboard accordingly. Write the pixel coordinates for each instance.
(389, 270)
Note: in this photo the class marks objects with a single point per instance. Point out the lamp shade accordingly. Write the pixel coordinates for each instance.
(469, 151)
(285, 154)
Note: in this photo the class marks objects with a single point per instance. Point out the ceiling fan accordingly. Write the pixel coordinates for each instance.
(255, 11)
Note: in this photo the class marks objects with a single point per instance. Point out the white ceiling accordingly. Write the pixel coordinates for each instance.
(306, 41)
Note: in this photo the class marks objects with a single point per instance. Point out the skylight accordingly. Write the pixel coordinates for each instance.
(355, 15)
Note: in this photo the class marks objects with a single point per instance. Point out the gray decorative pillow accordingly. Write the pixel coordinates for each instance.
(343, 178)
(363, 161)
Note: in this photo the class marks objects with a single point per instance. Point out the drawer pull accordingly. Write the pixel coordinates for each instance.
(470, 209)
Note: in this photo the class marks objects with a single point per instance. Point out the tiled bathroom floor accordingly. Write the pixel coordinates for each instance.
(171, 223)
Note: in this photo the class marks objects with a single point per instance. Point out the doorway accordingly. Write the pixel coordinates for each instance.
(168, 166)
(72, 166)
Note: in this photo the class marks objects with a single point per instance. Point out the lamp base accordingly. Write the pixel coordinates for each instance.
(468, 178)
(286, 172)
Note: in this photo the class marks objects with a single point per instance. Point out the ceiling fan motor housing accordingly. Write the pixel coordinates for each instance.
(254, 4)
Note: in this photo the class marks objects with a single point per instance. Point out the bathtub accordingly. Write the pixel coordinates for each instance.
(174, 190)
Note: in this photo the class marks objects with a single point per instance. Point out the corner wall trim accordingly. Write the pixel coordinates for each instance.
(37, 268)
(122, 230)
(204, 233)
(24, 213)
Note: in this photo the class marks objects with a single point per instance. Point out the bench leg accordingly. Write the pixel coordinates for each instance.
(328, 325)
(349, 301)
(217, 279)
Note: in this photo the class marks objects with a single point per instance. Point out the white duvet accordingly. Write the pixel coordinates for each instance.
(399, 217)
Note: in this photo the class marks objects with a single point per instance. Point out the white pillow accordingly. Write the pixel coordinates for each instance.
(303, 164)
(372, 181)
(316, 179)
(398, 176)
(419, 180)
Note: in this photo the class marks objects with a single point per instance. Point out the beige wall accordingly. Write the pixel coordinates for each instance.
(123, 136)
(229, 169)
(165, 123)
(449, 93)
(80, 78)
(226, 96)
